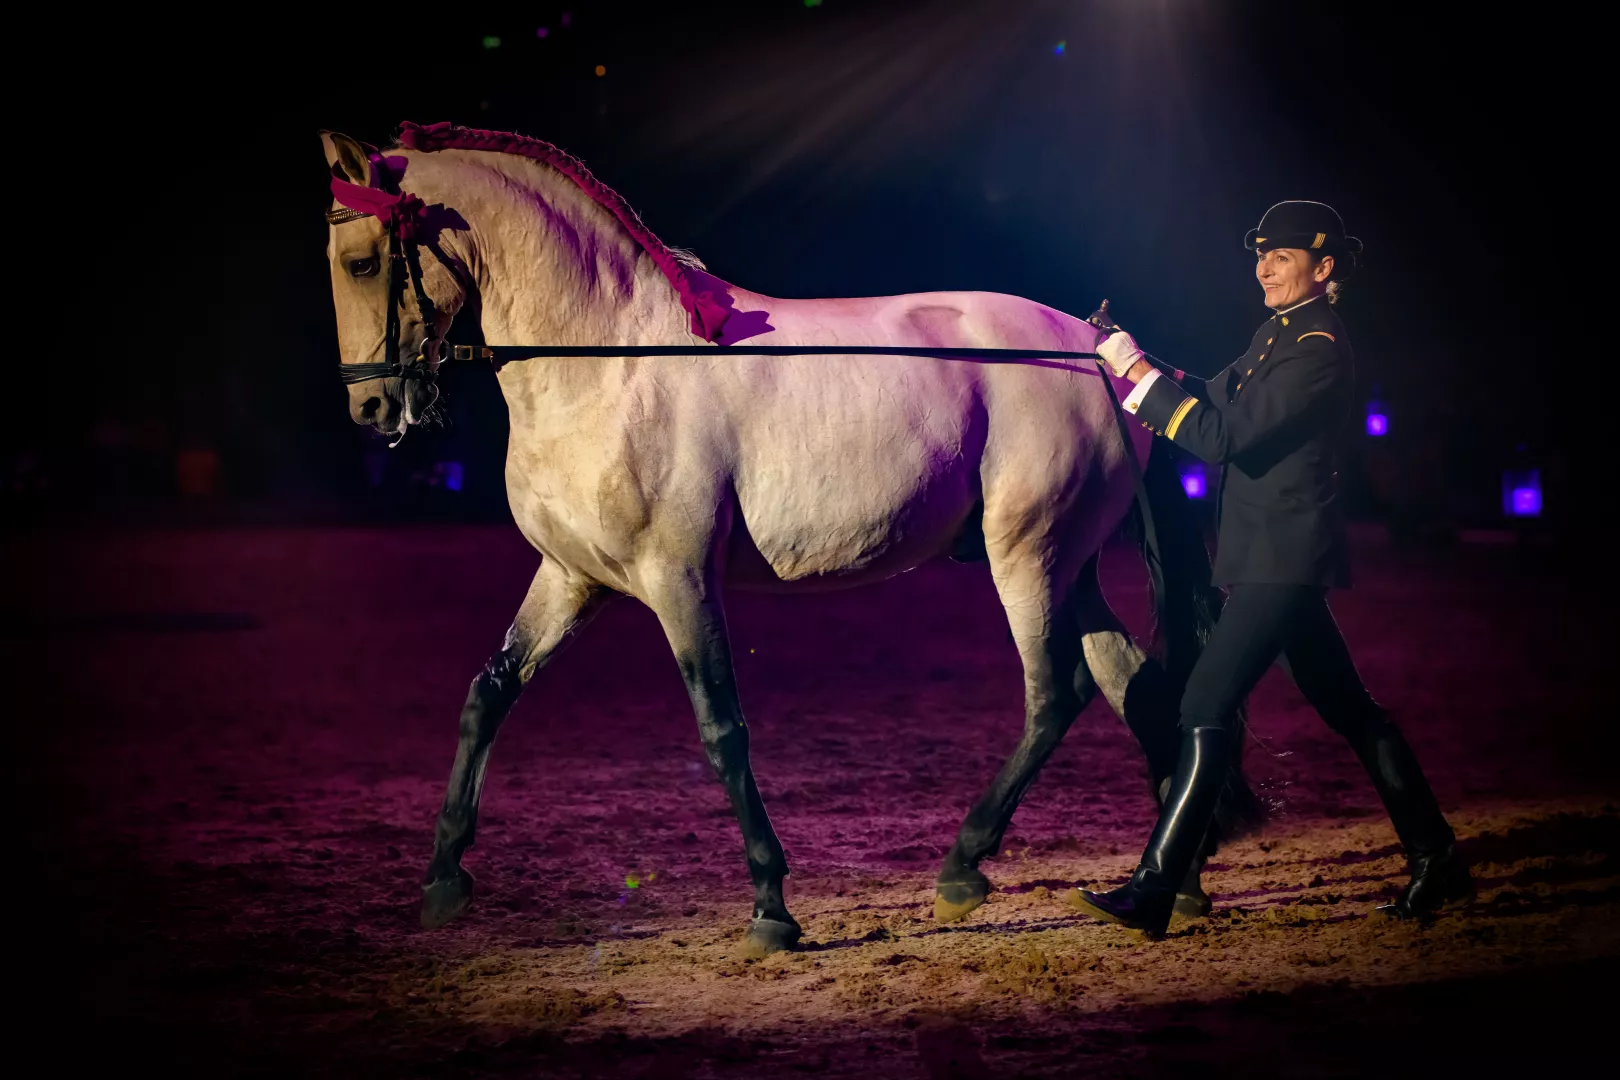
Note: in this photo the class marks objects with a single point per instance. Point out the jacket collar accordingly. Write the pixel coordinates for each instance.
(1297, 306)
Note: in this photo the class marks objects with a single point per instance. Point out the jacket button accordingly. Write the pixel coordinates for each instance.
(1249, 372)
(1269, 340)
(1285, 320)
(1259, 358)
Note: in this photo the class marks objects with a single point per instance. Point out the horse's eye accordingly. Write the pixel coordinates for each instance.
(363, 267)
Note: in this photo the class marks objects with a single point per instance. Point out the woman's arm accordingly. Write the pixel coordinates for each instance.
(1287, 389)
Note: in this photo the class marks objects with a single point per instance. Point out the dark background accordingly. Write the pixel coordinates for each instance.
(837, 149)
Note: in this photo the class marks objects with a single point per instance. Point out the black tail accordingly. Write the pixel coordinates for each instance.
(1185, 608)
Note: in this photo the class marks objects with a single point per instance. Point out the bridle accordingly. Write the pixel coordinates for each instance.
(401, 217)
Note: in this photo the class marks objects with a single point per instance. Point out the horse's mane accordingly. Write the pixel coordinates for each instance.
(708, 314)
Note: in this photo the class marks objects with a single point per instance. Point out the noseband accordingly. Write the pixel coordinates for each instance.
(400, 215)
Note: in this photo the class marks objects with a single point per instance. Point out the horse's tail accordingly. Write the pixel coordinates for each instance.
(1186, 606)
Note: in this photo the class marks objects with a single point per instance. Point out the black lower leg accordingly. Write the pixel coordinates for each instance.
(767, 862)
(1152, 707)
(489, 699)
(1047, 720)
(985, 825)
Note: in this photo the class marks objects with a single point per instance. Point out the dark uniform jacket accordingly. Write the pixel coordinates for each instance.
(1273, 421)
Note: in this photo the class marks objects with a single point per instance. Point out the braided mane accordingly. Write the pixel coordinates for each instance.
(708, 314)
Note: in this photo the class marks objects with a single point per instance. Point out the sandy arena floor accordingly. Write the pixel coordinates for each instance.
(232, 744)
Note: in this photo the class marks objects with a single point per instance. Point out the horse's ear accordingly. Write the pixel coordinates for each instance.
(349, 159)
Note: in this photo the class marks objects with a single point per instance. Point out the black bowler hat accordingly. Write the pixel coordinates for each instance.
(1298, 223)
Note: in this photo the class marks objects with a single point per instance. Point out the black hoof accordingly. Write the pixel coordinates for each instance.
(766, 936)
(953, 900)
(446, 898)
(1192, 905)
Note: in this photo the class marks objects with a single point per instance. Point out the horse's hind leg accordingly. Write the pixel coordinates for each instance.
(1057, 685)
(1135, 685)
(555, 607)
(690, 609)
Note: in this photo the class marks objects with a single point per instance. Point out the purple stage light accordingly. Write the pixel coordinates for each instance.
(1377, 420)
(1194, 482)
(541, 32)
(1521, 493)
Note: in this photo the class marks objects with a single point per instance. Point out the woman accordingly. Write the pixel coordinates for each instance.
(1273, 421)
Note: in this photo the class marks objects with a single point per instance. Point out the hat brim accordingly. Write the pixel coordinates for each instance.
(1323, 242)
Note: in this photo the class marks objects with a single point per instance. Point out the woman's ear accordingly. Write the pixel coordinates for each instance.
(1324, 268)
(349, 159)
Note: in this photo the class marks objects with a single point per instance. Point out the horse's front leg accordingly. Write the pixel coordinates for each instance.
(688, 604)
(556, 606)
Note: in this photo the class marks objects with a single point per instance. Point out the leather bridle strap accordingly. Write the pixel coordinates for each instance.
(404, 264)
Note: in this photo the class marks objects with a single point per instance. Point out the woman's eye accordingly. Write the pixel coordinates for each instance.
(363, 267)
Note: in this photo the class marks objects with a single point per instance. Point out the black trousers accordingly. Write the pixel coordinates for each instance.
(1262, 624)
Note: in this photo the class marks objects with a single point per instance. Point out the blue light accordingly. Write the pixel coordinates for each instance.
(1377, 420)
(1060, 48)
(1521, 493)
(453, 474)
(1194, 482)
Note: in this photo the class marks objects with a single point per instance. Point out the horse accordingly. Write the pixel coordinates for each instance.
(674, 479)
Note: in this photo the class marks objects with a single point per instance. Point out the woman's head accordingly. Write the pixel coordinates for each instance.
(1301, 251)
(1292, 276)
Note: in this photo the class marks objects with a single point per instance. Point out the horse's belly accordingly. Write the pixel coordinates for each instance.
(835, 529)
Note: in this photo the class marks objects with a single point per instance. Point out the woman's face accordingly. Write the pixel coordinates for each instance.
(1288, 276)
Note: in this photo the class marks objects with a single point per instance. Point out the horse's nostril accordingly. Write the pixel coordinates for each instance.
(369, 411)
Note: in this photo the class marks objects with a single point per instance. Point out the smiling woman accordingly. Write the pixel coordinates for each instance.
(1282, 545)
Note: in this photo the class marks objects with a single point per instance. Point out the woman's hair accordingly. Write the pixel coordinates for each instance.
(1344, 264)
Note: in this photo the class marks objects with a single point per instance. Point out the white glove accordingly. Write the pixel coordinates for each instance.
(1119, 352)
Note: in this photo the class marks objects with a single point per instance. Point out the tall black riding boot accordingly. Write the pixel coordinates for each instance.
(1439, 875)
(1192, 902)
(1147, 900)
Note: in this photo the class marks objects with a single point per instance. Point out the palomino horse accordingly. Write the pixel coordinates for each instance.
(673, 479)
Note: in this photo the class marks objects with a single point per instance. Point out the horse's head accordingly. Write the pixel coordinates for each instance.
(392, 285)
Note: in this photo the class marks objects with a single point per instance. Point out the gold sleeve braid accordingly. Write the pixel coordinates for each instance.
(1178, 416)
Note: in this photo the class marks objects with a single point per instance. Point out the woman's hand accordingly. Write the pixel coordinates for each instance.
(1119, 351)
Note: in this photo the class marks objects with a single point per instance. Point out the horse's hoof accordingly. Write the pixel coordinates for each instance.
(766, 936)
(954, 899)
(1188, 908)
(446, 898)
(1192, 905)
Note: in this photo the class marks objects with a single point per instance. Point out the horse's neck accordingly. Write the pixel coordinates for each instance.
(552, 267)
